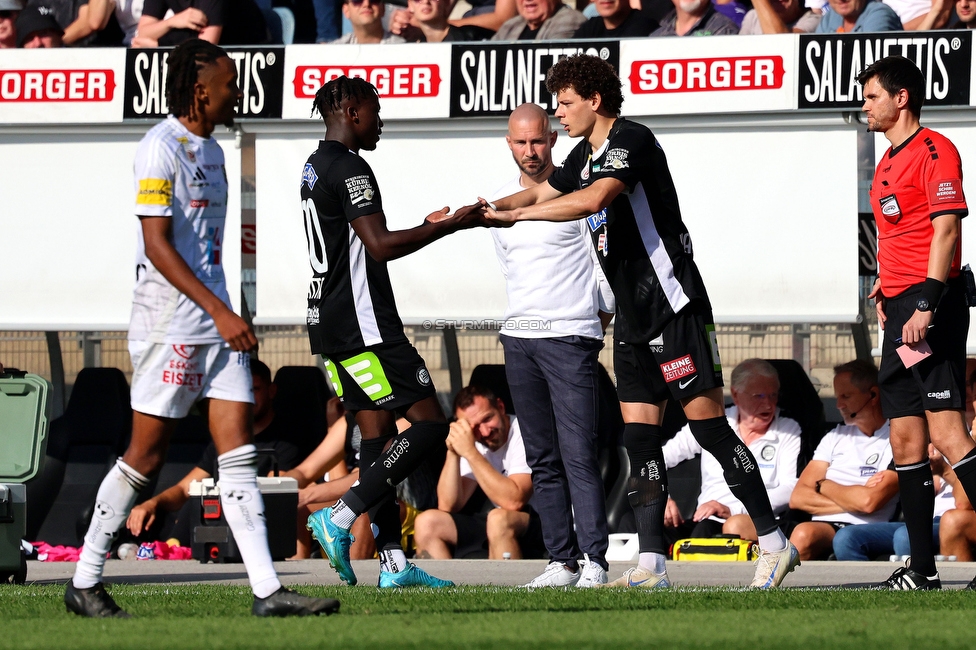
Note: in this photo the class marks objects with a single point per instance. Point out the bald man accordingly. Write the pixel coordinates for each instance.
(552, 335)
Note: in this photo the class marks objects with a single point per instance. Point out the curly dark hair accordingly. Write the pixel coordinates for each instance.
(329, 97)
(587, 75)
(184, 65)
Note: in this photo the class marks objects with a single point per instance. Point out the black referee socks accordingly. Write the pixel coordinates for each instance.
(647, 488)
(405, 454)
(918, 505)
(740, 469)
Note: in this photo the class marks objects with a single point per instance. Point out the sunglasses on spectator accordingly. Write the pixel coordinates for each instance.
(8, 13)
(359, 3)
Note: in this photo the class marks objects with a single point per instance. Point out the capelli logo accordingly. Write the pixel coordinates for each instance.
(942, 394)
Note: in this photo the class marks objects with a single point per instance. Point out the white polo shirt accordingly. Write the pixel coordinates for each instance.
(854, 458)
(776, 452)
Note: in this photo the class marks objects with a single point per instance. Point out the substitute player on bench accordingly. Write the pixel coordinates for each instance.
(353, 323)
(918, 205)
(185, 341)
(617, 178)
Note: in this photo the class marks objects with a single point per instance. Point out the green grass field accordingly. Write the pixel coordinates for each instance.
(214, 617)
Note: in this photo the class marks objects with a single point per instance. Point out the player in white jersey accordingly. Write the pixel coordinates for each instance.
(186, 342)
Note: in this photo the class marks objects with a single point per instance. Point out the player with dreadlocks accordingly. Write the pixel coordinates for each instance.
(185, 341)
(353, 323)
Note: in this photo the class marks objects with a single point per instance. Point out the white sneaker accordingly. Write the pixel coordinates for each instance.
(556, 574)
(772, 567)
(591, 574)
(640, 577)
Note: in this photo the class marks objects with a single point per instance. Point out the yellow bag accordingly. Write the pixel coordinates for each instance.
(714, 549)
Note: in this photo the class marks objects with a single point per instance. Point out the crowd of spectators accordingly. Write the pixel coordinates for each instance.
(156, 23)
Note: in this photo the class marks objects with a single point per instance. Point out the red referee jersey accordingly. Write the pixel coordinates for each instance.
(914, 183)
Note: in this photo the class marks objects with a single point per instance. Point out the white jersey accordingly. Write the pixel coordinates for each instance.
(181, 176)
(854, 458)
(507, 460)
(776, 452)
(554, 282)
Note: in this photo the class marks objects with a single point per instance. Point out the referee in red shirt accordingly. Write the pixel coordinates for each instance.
(918, 205)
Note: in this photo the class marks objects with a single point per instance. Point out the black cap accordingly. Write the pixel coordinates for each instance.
(36, 18)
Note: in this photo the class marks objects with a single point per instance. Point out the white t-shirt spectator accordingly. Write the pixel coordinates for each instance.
(854, 458)
(909, 10)
(776, 452)
(508, 459)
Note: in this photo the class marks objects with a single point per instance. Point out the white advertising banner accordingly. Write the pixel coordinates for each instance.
(718, 74)
(54, 86)
(413, 80)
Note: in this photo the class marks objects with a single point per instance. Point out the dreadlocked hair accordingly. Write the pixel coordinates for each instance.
(328, 99)
(184, 64)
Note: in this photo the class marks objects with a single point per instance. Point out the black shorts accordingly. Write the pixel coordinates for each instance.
(388, 377)
(472, 536)
(938, 382)
(682, 362)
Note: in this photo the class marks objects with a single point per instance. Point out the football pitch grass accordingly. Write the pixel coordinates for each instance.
(218, 616)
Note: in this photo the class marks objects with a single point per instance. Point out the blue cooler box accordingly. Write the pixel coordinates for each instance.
(23, 443)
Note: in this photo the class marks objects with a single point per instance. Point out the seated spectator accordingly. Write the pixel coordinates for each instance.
(484, 450)
(870, 541)
(858, 16)
(779, 17)
(847, 482)
(732, 9)
(957, 529)
(695, 18)
(127, 13)
(366, 17)
(540, 20)
(425, 21)
(9, 10)
(336, 459)
(271, 450)
(966, 11)
(72, 19)
(190, 19)
(37, 28)
(919, 15)
(971, 363)
(616, 20)
(487, 14)
(774, 441)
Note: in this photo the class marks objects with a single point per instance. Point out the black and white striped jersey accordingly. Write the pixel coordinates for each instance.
(350, 299)
(641, 241)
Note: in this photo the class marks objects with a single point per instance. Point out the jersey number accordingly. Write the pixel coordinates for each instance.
(313, 232)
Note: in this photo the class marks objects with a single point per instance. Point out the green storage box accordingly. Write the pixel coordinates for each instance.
(23, 442)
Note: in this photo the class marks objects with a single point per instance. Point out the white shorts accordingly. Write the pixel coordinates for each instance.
(167, 379)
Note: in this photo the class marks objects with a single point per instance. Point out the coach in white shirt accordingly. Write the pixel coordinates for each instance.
(773, 439)
(552, 336)
(848, 481)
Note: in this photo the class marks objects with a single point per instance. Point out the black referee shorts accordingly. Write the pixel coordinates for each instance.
(682, 362)
(938, 382)
(388, 377)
